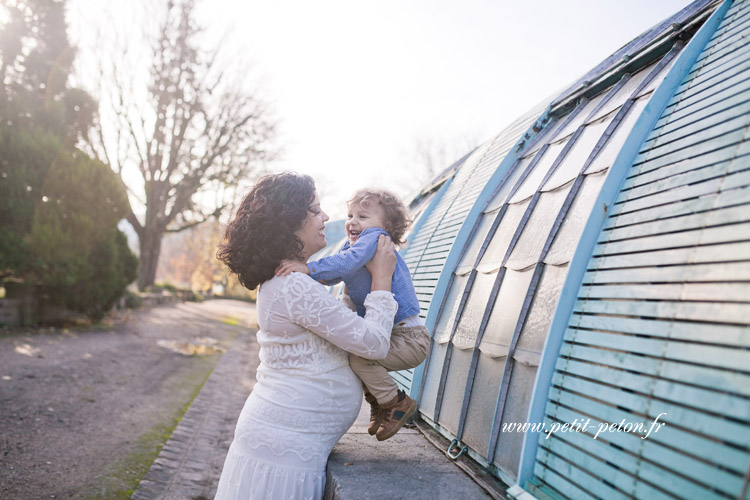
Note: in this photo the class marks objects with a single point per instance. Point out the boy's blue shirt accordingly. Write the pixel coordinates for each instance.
(348, 265)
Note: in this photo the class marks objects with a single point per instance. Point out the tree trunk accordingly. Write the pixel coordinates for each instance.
(150, 244)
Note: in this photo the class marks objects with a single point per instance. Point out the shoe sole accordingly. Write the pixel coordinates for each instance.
(409, 413)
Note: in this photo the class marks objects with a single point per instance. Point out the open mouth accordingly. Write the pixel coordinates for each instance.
(353, 235)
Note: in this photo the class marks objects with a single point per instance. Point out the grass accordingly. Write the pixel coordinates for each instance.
(127, 473)
(231, 321)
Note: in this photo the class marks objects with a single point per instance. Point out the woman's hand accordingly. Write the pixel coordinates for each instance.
(383, 264)
(287, 266)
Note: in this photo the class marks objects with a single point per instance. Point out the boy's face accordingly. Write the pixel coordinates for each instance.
(361, 218)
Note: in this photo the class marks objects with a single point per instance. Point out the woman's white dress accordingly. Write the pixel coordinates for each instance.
(306, 396)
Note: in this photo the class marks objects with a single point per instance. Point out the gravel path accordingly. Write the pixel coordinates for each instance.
(83, 413)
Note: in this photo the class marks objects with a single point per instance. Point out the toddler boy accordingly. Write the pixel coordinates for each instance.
(373, 212)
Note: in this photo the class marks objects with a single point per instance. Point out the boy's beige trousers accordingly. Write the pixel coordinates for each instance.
(409, 346)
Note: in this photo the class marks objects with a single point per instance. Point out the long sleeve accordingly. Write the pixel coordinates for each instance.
(313, 308)
(348, 259)
(347, 301)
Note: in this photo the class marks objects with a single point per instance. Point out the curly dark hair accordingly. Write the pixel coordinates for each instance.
(261, 234)
(396, 217)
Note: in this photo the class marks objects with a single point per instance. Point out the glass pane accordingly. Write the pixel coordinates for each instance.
(578, 154)
(529, 246)
(501, 197)
(508, 451)
(497, 248)
(504, 317)
(448, 313)
(610, 151)
(455, 386)
(470, 255)
(432, 380)
(468, 325)
(541, 141)
(527, 358)
(532, 182)
(623, 94)
(569, 234)
(579, 119)
(516, 129)
(483, 403)
(534, 333)
(658, 78)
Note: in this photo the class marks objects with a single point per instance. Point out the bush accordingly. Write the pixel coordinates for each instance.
(82, 261)
(132, 300)
(167, 287)
(25, 159)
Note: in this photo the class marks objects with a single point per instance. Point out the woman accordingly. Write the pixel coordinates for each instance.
(306, 396)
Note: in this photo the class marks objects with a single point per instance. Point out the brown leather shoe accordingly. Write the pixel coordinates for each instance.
(394, 414)
(374, 414)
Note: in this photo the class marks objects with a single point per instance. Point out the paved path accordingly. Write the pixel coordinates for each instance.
(82, 409)
(189, 465)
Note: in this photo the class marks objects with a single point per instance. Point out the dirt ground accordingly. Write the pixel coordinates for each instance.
(84, 412)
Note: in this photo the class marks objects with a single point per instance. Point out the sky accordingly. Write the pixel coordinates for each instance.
(356, 84)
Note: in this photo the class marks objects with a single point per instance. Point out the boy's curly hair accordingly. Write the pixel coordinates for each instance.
(396, 217)
(261, 234)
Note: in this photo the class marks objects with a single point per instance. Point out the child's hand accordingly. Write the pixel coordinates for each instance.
(287, 266)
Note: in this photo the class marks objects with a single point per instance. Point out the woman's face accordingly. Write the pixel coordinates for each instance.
(312, 233)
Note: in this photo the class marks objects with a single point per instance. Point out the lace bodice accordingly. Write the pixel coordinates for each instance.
(303, 327)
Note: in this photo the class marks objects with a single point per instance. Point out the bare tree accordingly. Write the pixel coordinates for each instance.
(190, 131)
(188, 258)
(430, 154)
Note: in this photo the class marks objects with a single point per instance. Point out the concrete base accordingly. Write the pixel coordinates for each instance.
(405, 466)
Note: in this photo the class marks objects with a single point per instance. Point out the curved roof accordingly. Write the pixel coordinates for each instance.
(591, 255)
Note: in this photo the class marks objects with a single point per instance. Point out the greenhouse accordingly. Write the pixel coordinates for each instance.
(590, 265)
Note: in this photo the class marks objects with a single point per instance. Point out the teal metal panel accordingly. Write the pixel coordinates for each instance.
(562, 484)
(696, 255)
(642, 408)
(667, 437)
(732, 157)
(711, 106)
(599, 460)
(718, 292)
(708, 236)
(678, 310)
(565, 466)
(731, 215)
(727, 97)
(631, 473)
(699, 376)
(681, 208)
(715, 272)
(731, 335)
(653, 468)
(661, 322)
(708, 355)
(729, 405)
